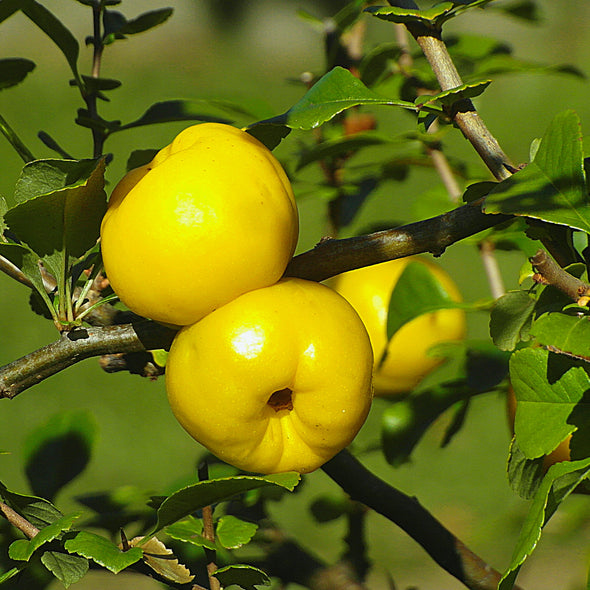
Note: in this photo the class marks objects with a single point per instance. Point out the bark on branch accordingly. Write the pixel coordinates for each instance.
(406, 512)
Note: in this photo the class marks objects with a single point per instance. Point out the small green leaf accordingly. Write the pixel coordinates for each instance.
(449, 97)
(244, 576)
(174, 110)
(553, 186)
(525, 475)
(58, 451)
(102, 551)
(416, 292)
(22, 550)
(333, 93)
(56, 31)
(563, 333)
(432, 17)
(511, 318)
(146, 21)
(9, 574)
(561, 480)
(232, 532)
(189, 530)
(14, 70)
(38, 511)
(68, 569)
(204, 493)
(551, 391)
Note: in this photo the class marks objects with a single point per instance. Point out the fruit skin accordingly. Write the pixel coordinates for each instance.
(222, 371)
(211, 217)
(369, 290)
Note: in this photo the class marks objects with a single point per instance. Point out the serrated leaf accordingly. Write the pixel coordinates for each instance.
(22, 550)
(449, 97)
(416, 292)
(14, 70)
(560, 481)
(38, 511)
(60, 207)
(333, 93)
(102, 551)
(553, 186)
(551, 391)
(189, 530)
(56, 31)
(204, 493)
(68, 569)
(162, 560)
(174, 110)
(563, 333)
(244, 576)
(511, 318)
(58, 451)
(232, 532)
(524, 475)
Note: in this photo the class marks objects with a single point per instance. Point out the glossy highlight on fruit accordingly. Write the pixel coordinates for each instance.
(278, 379)
(369, 290)
(211, 217)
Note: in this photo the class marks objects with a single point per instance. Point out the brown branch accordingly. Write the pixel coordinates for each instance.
(18, 521)
(331, 257)
(550, 273)
(77, 345)
(406, 512)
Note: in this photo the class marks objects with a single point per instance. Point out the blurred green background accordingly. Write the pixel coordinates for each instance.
(251, 52)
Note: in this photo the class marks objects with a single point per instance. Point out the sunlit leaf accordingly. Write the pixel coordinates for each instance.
(563, 333)
(553, 186)
(448, 97)
(189, 530)
(232, 532)
(102, 551)
(560, 481)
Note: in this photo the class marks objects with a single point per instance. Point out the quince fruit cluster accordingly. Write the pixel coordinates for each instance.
(270, 374)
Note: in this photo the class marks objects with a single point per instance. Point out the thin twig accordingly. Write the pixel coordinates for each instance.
(209, 533)
(18, 521)
(550, 273)
(406, 512)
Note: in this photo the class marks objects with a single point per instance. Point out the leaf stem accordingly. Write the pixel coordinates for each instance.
(16, 520)
(209, 533)
(21, 149)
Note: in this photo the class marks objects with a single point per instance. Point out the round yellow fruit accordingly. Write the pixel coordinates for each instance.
(278, 379)
(211, 217)
(407, 362)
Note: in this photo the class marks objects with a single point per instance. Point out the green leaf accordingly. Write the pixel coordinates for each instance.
(162, 560)
(204, 493)
(416, 292)
(14, 70)
(58, 451)
(22, 550)
(233, 532)
(333, 93)
(244, 576)
(174, 110)
(560, 481)
(551, 391)
(9, 574)
(433, 17)
(451, 96)
(38, 511)
(139, 158)
(189, 530)
(68, 569)
(563, 333)
(60, 207)
(102, 551)
(524, 475)
(511, 318)
(146, 21)
(56, 31)
(553, 186)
